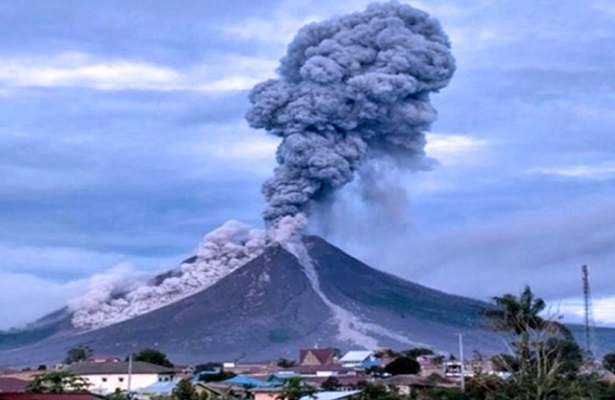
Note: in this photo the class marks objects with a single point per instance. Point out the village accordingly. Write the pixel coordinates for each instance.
(325, 373)
(316, 373)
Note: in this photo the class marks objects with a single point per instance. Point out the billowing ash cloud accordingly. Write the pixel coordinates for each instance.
(351, 88)
(108, 299)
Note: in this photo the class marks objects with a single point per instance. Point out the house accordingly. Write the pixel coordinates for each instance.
(103, 358)
(319, 370)
(341, 383)
(107, 377)
(431, 364)
(404, 383)
(363, 359)
(317, 375)
(162, 388)
(214, 390)
(273, 393)
(246, 381)
(250, 368)
(326, 356)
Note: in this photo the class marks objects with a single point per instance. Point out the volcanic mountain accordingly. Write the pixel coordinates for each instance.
(269, 308)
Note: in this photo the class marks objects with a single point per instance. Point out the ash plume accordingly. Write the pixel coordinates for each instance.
(351, 88)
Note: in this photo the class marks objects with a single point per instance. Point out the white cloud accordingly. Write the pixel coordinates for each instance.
(225, 73)
(453, 149)
(603, 310)
(31, 297)
(234, 146)
(73, 69)
(35, 297)
(595, 172)
(230, 83)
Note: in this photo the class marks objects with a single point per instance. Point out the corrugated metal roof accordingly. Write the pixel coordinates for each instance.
(138, 367)
(247, 381)
(331, 395)
(159, 388)
(356, 356)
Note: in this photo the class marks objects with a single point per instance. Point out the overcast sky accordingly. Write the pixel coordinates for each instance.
(122, 141)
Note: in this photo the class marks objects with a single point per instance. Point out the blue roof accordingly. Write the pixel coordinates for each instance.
(247, 381)
(329, 395)
(164, 387)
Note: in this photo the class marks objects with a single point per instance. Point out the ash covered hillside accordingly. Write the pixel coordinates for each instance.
(297, 293)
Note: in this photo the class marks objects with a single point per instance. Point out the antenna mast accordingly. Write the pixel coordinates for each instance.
(589, 317)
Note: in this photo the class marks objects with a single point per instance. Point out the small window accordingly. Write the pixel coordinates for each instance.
(104, 379)
(120, 379)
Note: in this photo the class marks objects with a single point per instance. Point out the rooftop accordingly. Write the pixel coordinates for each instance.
(97, 368)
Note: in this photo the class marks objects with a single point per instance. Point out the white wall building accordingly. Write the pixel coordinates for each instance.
(107, 377)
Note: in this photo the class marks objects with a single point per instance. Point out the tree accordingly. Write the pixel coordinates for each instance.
(522, 314)
(608, 361)
(185, 391)
(331, 383)
(220, 375)
(403, 365)
(58, 382)
(417, 352)
(294, 388)
(152, 356)
(371, 391)
(285, 363)
(386, 353)
(544, 356)
(77, 354)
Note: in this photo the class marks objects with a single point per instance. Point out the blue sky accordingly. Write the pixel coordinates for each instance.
(122, 141)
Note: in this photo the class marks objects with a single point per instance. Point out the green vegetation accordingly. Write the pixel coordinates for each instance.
(294, 388)
(58, 382)
(77, 354)
(403, 365)
(544, 362)
(152, 356)
(609, 362)
(285, 363)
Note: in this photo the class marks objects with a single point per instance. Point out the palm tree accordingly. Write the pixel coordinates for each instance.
(521, 315)
(543, 353)
(294, 388)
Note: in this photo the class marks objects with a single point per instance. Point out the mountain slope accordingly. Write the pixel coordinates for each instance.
(269, 308)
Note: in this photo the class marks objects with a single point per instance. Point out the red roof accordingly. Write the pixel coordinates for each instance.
(343, 380)
(322, 356)
(12, 385)
(49, 396)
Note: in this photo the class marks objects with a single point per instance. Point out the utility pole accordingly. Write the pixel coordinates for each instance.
(461, 369)
(128, 384)
(588, 309)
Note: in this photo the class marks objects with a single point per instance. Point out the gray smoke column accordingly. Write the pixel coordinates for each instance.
(351, 89)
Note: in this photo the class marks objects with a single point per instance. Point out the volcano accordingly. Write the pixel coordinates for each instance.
(269, 308)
